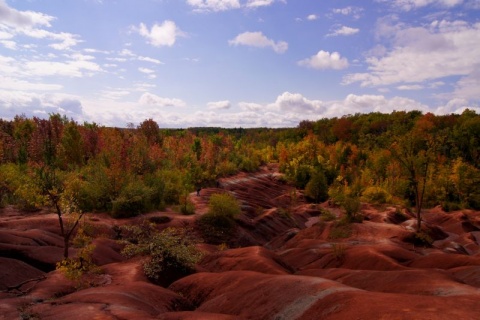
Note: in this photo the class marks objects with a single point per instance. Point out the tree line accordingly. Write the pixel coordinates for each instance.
(403, 157)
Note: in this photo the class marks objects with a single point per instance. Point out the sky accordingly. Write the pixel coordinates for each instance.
(236, 63)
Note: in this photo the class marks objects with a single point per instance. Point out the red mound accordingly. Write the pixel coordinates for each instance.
(420, 282)
(250, 258)
(251, 295)
(14, 272)
(136, 300)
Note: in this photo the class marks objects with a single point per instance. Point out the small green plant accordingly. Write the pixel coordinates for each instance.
(421, 238)
(376, 195)
(341, 229)
(82, 239)
(352, 207)
(339, 250)
(327, 215)
(284, 213)
(82, 265)
(186, 206)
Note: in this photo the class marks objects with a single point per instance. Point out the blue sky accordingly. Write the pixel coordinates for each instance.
(236, 63)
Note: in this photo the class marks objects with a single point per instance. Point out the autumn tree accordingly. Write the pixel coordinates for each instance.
(416, 152)
(51, 180)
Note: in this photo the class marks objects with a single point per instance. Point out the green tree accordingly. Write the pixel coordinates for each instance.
(71, 151)
(317, 188)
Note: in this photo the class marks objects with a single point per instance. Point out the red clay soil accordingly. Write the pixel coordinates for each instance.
(284, 262)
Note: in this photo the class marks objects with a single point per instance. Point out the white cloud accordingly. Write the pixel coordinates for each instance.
(9, 44)
(214, 5)
(77, 65)
(219, 105)
(114, 94)
(146, 70)
(355, 12)
(72, 68)
(295, 102)
(410, 87)
(154, 100)
(312, 17)
(250, 106)
(21, 19)
(468, 87)
(9, 83)
(224, 5)
(257, 39)
(36, 104)
(418, 54)
(117, 59)
(148, 59)
(407, 5)
(126, 53)
(143, 87)
(344, 31)
(160, 35)
(457, 105)
(372, 103)
(325, 60)
(259, 3)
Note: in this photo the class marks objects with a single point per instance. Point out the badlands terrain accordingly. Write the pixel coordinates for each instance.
(287, 259)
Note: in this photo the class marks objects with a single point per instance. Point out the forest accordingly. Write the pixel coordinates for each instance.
(410, 158)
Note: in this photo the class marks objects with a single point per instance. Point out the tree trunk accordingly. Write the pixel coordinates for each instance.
(66, 245)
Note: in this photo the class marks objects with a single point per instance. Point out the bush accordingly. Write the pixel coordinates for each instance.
(376, 195)
(327, 215)
(187, 207)
(157, 187)
(133, 200)
(317, 188)
(352, 208)
(218, 225)
(171, 254)
(224, 204)
(82, 265)
(302, 176)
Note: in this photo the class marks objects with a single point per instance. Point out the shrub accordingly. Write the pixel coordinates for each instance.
(339, 250)
(317, 188)
(171, 253)
(327, 215)
(157, 188)
(76, 268)
(352, 208)
(133, 200)
(187, 207)
(224, 204)
(302, 176)
(376, 195)
(218, 225)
